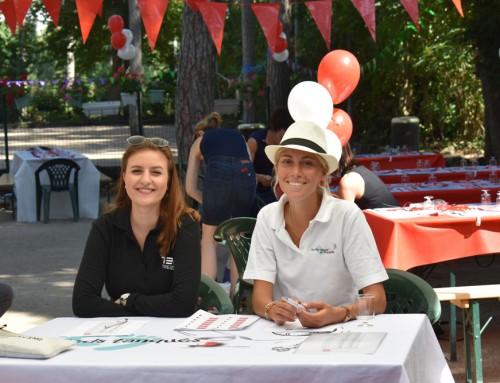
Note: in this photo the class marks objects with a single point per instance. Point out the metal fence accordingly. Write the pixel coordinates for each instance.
(103, 144)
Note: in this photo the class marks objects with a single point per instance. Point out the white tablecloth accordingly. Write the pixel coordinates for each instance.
(409, 352)
(23, 169)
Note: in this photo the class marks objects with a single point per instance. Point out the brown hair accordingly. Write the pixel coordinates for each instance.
(173, 204)
(347, 161)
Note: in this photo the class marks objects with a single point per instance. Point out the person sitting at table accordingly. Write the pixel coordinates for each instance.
(360, 185)
(6, 298)
(278, 124)
(146, 249)
(311, 246)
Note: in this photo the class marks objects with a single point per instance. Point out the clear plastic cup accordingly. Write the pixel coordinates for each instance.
(485, 198)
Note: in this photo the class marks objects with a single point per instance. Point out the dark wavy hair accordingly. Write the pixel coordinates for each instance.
(347, 161)
(173, 205)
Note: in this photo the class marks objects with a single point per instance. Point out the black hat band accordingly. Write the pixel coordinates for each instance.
(303, 142)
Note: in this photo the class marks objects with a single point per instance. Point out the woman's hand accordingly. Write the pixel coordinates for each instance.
(281, 312)
(320, 314)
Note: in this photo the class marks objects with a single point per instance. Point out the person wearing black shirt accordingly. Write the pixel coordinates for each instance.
(146, 250)
(360, 185)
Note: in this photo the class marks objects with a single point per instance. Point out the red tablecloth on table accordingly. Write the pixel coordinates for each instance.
(450, 173)
(409, 242)
(402, 160)
(453, 192)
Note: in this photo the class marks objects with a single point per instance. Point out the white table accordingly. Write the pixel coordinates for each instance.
(23, 170)
(409, 352)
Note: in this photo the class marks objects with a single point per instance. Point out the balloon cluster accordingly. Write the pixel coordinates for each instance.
(121, 38)
(280, 51)
(338, 76)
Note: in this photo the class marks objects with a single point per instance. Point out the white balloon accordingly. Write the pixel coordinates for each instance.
(281, 56)
(333, 144)
(129, 35)
(282, 35)
(127, 52)
(310, 101)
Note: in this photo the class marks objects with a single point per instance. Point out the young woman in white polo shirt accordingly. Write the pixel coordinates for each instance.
(310, 246)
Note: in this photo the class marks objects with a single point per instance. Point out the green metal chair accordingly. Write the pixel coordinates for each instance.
(236, 233)
(409, 294)
(213, 297)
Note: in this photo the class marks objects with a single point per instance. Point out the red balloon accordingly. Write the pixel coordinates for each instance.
(115, 23)
(118, 40)
(280, 45)
(339, 73)
(341, 125)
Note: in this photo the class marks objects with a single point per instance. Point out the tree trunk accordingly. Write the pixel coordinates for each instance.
(248, 56)
(195, 91)
(136, 65)
(278, 73)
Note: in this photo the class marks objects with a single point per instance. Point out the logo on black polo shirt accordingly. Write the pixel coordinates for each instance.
(167, 263)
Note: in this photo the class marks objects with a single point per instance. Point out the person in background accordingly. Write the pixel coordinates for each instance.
(311, 246)
(146, 250)
(278, 124)
(228, 187)
(6, 298)
(360, 185)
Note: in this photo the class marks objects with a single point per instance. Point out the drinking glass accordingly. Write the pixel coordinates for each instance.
(419, 164)
(498, 199)
(493, 177)
(427, 164)
(469, 176)
(485, 198)
(463, 162)
(432, 179)
(428, 204)
(375, 166)
(405, 178)
(365, 308)
(493, 162)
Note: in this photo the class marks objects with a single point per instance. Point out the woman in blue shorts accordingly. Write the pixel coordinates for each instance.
(228, 188)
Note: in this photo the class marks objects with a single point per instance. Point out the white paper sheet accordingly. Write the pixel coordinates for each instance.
(202, 320)
(343, 343)
(110, 327)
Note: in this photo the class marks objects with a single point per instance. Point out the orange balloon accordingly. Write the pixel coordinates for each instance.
(341, 125)
(339, 73)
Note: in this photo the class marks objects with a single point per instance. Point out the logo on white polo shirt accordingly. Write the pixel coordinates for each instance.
(325, 250)
(167, 263)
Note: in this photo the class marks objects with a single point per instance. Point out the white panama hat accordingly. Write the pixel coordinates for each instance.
(308, 137)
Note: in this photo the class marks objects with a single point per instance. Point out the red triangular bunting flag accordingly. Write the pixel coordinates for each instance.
(458, 5)
(268, 16)
(411, 7)
(214, 15)
(366, 9)
(87, 11)
(9, 12)
(22, 7)
(53, 8)
(321, 12)
(152, 13)
(99, 11)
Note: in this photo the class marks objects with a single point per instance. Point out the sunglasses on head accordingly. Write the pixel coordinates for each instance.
(156, 141)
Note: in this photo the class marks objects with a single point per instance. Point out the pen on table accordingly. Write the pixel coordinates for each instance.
(117, 323)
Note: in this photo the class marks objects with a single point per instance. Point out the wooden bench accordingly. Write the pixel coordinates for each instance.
(467, 298)
(101, 108)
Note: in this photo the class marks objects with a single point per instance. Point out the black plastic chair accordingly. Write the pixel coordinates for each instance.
(236, 233)
(213, 298)
(407, 293)
(63, 176)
